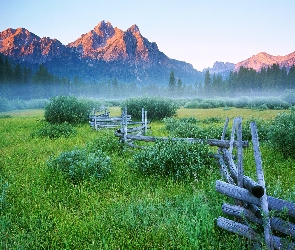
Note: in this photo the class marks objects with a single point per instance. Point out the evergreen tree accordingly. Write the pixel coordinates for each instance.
(42, 75)
(179, 86)
(207, 83)
(291, 78)
(27, 74)
(172, 82)
(8, 72)
(1, 69)
(18, 74)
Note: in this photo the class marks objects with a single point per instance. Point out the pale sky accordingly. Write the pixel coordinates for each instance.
(198, 32)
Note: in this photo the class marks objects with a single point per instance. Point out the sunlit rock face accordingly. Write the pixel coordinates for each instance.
(263, 60)
(106, 52)
(112, 44)
(26, 46)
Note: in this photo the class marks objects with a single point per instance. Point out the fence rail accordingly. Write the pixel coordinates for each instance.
(252, 204)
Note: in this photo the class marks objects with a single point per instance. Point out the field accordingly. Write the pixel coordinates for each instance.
(41, 209)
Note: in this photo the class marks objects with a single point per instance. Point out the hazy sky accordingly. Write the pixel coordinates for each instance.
(198, 32)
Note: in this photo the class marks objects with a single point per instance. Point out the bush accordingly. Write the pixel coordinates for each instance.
(262, 126)
(178, 159)
(157, 108)
(66, 109)
(106, 142)
(289, 96)
(54, 131)
(188, 128)
(81, 164)
(282, 133)
(5, 105)
(242, 102)
(263, 103)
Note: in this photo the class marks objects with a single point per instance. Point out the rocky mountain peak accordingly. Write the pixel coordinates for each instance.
(264, 60)
(104, 29)
(102, 53)
(220, 67)
(134, 29)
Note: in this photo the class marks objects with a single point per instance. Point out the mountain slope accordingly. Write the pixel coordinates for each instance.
(263, 60)
(103, 53)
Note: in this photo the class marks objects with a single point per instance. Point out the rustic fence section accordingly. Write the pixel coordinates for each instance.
(252, 204)
(104, 120)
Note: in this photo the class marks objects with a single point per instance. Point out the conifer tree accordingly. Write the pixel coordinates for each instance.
(172, 82)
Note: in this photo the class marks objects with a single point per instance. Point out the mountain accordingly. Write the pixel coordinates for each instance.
(22, 45)
(220, 68)
(263, 60)
(103, 53)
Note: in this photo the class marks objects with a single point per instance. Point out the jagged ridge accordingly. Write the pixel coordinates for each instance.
(263, 60)
(119, 52)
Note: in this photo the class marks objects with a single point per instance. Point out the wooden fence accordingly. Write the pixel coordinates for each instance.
(104, 120)
(252, 204)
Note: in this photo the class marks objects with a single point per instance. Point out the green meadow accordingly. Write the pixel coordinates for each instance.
(42, 209)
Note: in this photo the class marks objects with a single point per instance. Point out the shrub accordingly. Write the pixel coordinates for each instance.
(54, 131)
(157, 108)
(178, 159)
(81, 164)
(262, 126)
(188, 128)
(282, 133)
(242, 102)
(106, 142)
(264, 103)
(289, 96)
(66, 109)
(5, 105)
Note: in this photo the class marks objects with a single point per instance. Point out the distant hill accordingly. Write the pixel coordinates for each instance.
(263, 60)
(101, 54)
(221, 68)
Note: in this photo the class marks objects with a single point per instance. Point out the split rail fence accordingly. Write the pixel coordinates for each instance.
(252, 205)
(104, 120)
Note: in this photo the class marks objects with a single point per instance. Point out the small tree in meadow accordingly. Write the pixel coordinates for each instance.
(282, 133)
(66, 109)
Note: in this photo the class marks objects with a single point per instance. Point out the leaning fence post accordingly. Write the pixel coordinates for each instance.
(142, 116)
(232, 137)
(240, 153)
(261, 181)
(95, 122)
(145, 122)
(124, 124)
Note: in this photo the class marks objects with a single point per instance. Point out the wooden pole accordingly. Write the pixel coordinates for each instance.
(142, 116)
(243, 194)
(261, 181)
(211, 142)
(237, 228)
(232, 137)
(145, 122)
(254, 187)
(95, 122)
(124, 124)
(240, 153)
(224, 169)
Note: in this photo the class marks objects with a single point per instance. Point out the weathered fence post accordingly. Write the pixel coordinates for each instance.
(240, 153)
(124, 124)
(261, 181)
(145, 122)
(142, 116)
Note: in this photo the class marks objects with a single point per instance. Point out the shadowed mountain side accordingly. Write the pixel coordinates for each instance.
(103, 53)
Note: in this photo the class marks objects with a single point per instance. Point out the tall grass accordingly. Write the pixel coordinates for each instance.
(125, 210)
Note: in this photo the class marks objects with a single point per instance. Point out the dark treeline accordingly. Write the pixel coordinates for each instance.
(20, 82)
(268, 81)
